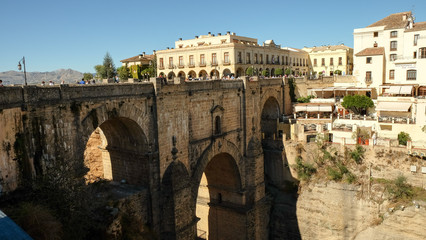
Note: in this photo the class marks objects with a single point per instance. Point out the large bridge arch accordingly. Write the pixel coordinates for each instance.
(218, 185)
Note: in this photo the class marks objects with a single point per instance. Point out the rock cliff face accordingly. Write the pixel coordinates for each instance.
(336, 211)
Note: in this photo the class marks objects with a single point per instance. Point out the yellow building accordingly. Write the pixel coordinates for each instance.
(141, 60)
(328, 59)
(210, 56)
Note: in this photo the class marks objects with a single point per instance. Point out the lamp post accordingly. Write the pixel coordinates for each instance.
(20, 67)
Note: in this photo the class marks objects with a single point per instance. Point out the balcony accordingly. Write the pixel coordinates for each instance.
(181, 66)
(368, 80)
(202, 64)
(226, 63)
(170, 66)
(214, 64)
(161, 67)
(191, 65)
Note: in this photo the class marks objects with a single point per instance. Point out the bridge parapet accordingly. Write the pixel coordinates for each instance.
(16, 96)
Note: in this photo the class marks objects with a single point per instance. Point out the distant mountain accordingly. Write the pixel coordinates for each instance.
(17, 78)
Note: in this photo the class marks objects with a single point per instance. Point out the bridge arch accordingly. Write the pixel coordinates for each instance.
(217, 185)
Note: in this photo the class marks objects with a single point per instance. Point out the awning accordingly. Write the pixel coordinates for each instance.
(406, 89)
(301, 108)
(393, 106)
(394, 90)
(313, 108)
(325, 108)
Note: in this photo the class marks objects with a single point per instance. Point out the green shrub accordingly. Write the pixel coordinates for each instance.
(305, 99)
(278, 72)
(334, 174)
(249, 71)
(399, 189)
(304, 170)
(357, 154)
(403, 137)
(350, 177)
(265, 73)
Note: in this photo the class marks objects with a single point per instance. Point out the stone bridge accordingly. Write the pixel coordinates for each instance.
(164, 138)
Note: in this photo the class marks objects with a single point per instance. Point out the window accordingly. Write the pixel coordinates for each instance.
(376, 34)
(161, 63)
(375, 44)
(303, 62)
(286, 60)
(393, 45)
(261, 58)
(191, 60)
(340, 61)
(214, 59)
(181, 61)
(248, 58)
(331, 62)
(315, 62)
(226, 57)
(282, 62)
(323, 62)
(392, 57)
(368, 76)
(422, 52)
(240, 59)
(255, 58)
(170, 62)
(416, 39)
(369, 60)
(393, 34)
(202, 60)
(267, 58)
(411, 74)
(391, 74)
(414, 55)
(217, 129)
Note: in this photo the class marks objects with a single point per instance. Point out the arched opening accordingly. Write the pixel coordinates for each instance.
(171, 75)
(192, 75)
(240, 72)
(162, 74)
(214, 74)
(226, 72)
(219, 199)
(181, 75)
(202, 74)
(272, 72)
(116, 151)
(272, 158)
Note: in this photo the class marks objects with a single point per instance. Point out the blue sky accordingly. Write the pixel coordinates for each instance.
(54, 34)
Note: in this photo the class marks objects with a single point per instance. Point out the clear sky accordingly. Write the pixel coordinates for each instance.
(76, 34)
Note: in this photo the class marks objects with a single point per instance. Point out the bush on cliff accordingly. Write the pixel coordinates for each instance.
(304, 170)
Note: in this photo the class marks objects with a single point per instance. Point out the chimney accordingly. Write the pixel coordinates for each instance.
(228, 33)
(210, 33)
(168, 48)
(219, 34)
(143, 54)
(180, 39)
(196, 36)
(154, 52)
(404, 17)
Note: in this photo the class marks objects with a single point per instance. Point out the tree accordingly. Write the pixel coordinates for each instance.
(403, 138)
(123, 72)
(109, 66)
(249, 71)
(278, 72)
(265, 73)
(357, 103)
(100, 71)
(87, 76)
(288, 71)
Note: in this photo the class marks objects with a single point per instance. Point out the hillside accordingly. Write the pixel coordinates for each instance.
(17, 78)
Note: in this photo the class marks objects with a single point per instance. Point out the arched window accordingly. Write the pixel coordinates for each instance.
(217, 128)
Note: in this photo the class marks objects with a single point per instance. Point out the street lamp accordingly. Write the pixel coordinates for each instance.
(20, 67)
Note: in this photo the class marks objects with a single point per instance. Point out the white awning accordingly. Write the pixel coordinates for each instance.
(393, 106)
(394, 90)
(313, 108)
(301, 108)
(406, 89)
(325, 108)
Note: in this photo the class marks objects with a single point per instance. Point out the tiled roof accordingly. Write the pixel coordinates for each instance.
(417, 27)
(331, 48)
(393, 21)
(138, 58)
(371, 51)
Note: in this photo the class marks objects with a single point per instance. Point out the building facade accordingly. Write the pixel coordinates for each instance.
(328, 59)
(210, 56)
(391, 51)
